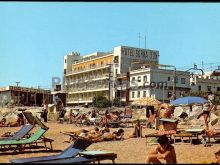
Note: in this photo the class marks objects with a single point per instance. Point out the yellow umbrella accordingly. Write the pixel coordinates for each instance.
(147, 101)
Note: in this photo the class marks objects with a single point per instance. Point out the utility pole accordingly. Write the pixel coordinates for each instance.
(174, 83)
(109, 84)
(18, 82)
(139, 39)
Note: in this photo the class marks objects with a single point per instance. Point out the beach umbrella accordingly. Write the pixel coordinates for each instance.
(189, 101)
(147, 101)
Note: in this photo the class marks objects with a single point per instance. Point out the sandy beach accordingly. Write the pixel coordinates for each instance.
(133, 150)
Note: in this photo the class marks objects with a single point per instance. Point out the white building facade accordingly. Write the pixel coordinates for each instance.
(158, 83)
(205, 83)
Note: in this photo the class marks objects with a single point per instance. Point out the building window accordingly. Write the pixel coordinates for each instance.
(176, 79)
(133, 94)
(169, 94)
(168, 78)
(65, 61)
(116, 59)
(218, 88)
(116, 71)
(139, 79)
(199, 88)
(144, 93)
(183, 81)
(138, 94)
(209, 88)
(145, 78)
(133, 79)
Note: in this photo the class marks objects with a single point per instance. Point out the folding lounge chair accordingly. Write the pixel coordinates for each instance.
(35, 120)
(85, 157)
(20, 144)
(99, 155)
(73, 160)
(70, 152)
(25, 129)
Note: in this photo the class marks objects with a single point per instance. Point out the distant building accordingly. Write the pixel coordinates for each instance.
(208, 82)
(158, 83)
(88, 76)
(23, 96)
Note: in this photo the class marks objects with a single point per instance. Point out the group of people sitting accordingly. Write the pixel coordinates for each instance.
(97, 135)
(94, 118)
(19, 122)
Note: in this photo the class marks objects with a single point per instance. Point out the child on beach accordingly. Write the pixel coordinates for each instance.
(164, 150)
(137, 130)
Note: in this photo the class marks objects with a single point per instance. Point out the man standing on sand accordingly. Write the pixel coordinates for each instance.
(164, 150)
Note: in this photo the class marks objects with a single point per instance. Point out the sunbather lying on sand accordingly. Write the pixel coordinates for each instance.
(97, 135)
(163, 150)
(19, 122)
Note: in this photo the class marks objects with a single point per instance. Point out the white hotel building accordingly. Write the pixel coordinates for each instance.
(87, 76)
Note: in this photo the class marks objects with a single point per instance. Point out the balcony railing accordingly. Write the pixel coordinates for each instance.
(88, 69)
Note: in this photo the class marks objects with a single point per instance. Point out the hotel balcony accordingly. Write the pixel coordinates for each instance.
(87, 69)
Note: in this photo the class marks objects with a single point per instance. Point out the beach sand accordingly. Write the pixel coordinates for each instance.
(128, 151)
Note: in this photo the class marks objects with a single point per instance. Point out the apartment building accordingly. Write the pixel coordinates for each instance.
(93, 74)
(158, 83)
(210, 81)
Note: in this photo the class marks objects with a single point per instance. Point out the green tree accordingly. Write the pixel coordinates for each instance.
(100, 102)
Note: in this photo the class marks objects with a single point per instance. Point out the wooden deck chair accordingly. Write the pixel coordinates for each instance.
(72, 160)
(70, 152)
(35, 120)
(25, 129)
(21, 143)
(85, 157)
(99, 155)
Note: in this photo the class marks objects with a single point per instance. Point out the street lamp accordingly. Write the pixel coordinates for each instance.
(109, 83)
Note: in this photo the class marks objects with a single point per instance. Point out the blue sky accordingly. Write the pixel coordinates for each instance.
(35, 36)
